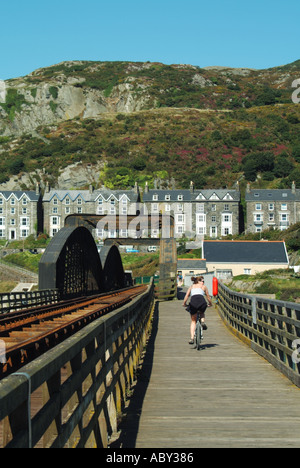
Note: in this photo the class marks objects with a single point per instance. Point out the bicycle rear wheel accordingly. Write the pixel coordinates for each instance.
(198, 334)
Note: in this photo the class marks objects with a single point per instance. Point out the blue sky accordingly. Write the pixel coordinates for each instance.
(256, 34)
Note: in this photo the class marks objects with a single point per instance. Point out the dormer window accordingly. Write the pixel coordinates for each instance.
(180, 197)
(167, 197)
(155, 198)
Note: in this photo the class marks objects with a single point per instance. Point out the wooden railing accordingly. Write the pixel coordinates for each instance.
(72, 395)
(271, 328)
(10, 302)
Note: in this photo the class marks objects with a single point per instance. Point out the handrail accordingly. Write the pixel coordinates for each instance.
(78, 388)
(270, 327)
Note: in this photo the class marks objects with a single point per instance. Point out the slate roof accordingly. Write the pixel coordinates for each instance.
(188, 196)
(273, 195)
(191, 264)
(19, 194)
(245, 252)
(88, 196)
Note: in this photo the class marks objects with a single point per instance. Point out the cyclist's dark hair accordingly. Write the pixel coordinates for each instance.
(197, 279)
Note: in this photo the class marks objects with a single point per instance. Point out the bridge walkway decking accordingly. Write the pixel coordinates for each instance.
(224, 395)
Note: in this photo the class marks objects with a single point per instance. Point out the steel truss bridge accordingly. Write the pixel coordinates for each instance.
(72, 264)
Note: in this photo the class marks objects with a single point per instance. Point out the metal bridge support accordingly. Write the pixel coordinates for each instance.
(71, 264)
(167, 288)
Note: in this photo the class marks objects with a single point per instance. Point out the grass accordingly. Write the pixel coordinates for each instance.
(282, 282)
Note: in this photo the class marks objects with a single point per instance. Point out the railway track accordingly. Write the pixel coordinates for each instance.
(29, 333)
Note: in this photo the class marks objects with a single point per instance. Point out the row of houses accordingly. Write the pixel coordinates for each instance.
(214, 213)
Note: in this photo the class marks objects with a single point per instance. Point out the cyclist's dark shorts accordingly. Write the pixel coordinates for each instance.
(197, 305)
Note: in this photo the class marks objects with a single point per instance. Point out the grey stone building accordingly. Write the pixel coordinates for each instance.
(20, 214)
(277, 209)
(212, 213)
(58, 204)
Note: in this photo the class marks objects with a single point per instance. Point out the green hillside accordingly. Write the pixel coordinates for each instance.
(213, 126)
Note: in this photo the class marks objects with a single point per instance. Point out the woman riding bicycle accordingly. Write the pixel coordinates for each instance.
(197, 304)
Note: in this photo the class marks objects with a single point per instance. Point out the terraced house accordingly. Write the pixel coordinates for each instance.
(213, 213)
(277, 209)
(20, 214)
(58, 204)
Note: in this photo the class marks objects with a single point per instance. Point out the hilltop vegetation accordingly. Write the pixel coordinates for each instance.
(148, 121)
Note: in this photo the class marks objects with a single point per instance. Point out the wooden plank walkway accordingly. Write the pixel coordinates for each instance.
(224, 395)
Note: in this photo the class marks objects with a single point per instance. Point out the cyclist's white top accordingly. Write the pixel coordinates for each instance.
(195, 291)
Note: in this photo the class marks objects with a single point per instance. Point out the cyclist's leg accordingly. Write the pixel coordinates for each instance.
(193, 325)
(202, 317)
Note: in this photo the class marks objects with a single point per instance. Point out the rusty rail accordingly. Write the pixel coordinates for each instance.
(29, 333)
(72, 395)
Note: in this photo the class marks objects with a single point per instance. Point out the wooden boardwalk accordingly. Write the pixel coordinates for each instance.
(224, 395)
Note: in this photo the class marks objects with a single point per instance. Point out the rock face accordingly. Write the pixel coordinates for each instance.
(62, 98)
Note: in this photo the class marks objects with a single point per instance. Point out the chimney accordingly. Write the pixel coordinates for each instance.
(91, 189)
(136, 188)
(47, 190)
(248, 190)
(192, 188)
(146, 188)
(293, 187)
(37, 189)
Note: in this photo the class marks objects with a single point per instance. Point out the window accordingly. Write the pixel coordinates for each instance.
(24, 201)
(213, 219)
(283, 206)
(271, 206)
(55, 210)
(213, 207)
(247, 271)
(67, 201)
(180, 197)
(226, 207)
(155, 198)
(227, 218)
(167, 198)
(201, 219)
(271, 217)
(201, 230)
(79, 201)
(55, 201)
(258, 206)
(168, 207)
(12, 201)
